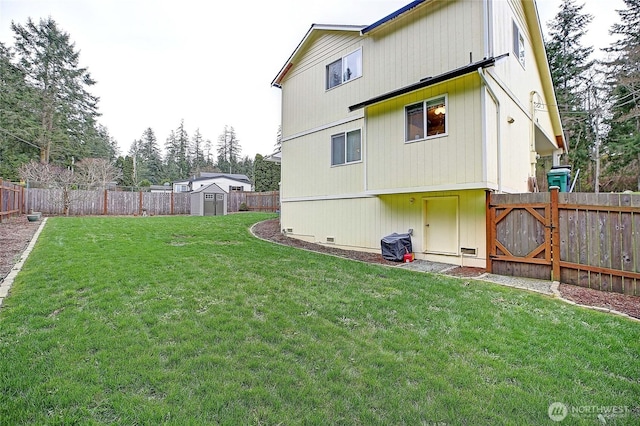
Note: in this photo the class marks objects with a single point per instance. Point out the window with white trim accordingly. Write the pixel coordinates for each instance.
(346, 147)
(426, 119)
(235, 188)
(344, 69)
(518, 44)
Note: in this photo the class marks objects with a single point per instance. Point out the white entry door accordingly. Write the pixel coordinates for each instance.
(441, 225)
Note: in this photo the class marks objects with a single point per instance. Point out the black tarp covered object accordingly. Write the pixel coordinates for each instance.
(394, 246)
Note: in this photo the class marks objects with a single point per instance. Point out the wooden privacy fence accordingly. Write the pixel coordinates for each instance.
(589, 240)
(11, 200)
(255, 201)
(103, 202)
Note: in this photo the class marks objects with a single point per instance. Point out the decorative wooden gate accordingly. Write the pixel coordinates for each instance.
(590, 240)
(519, 235)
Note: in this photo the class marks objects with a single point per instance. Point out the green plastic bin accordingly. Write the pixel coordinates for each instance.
(559, 178)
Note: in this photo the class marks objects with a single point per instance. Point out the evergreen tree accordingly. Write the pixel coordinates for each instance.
(569, 63)
(196, 152)
(267, 175)
(64, 107)
(623, 140)
(149, 154)
(18, 123)
(228, 150)
(182, 151)
(278, 145)
(125, 166)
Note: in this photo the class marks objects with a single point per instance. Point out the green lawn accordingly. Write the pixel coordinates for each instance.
(191, 320)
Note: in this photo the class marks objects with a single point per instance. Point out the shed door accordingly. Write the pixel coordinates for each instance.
(219, 204)
(209, 204)
(441, 225)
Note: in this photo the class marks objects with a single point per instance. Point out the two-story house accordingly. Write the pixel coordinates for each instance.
(407, 122)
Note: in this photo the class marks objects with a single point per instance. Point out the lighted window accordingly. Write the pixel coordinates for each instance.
(344, 69)
(426, 119)
(346, 147)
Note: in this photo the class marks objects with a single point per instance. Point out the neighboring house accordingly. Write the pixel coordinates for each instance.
(161, 188)
(226, 181)
(276, 157)
(405, 123)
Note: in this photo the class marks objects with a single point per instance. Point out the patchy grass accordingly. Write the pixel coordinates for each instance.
(191, 320)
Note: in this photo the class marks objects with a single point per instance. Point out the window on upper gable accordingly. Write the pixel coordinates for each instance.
(344, 69)
(345, 147)
(426, 119)
(518, 44)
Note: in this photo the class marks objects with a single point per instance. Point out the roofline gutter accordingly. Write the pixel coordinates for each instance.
(430, 81)
(391, 16)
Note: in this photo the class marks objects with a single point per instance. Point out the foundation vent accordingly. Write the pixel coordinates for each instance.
(469, 251)
(331, 239)
(289, 230)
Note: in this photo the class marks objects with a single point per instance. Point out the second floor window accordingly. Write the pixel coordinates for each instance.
(344, 69)
(426, 119)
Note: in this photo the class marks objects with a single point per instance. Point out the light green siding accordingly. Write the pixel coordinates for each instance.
(454, 159)
(360, 223)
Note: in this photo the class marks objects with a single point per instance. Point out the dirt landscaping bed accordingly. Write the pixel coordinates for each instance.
(15, 234)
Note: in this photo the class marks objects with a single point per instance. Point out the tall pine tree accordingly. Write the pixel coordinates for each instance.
(64, 107)
(623, 140)
(569, 63)
(229, 150)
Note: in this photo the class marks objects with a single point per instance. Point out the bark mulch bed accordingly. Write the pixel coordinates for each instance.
(16, 233)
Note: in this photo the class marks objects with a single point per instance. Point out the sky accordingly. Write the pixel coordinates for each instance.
(210, 63)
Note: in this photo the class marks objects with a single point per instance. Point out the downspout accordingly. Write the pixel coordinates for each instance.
(532, 135)
(498, 132)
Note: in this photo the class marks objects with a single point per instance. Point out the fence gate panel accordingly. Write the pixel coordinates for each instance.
(519, 240)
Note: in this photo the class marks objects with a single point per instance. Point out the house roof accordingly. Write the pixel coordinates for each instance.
(276, 157)
(209, 176)
(211, 188)
(391, 16)
(533, 22)
(313, 30)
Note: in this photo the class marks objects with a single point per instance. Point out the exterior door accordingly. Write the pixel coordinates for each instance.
(441, 225)
(219, 204)
(209, 205)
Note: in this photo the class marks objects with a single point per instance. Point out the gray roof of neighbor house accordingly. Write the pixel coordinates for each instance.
(232, 176)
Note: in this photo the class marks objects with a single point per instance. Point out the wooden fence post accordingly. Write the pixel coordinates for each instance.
(140, 205)
(171, 208)
(105, 210)
(490, 225)
(555, 235)
(22, 200)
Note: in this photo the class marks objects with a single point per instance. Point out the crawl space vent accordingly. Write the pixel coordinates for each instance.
(469, 251)
(331, 239)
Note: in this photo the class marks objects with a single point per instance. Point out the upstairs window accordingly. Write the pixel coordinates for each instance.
(518, 44)
(344, 69)
(426, 119)
(345, 148)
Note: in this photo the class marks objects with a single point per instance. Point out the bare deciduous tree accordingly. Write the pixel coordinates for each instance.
(96, 173)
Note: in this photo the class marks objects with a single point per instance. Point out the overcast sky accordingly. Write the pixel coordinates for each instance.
(210, 63)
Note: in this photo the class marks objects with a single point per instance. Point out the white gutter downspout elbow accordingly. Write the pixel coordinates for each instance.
(498, 132)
